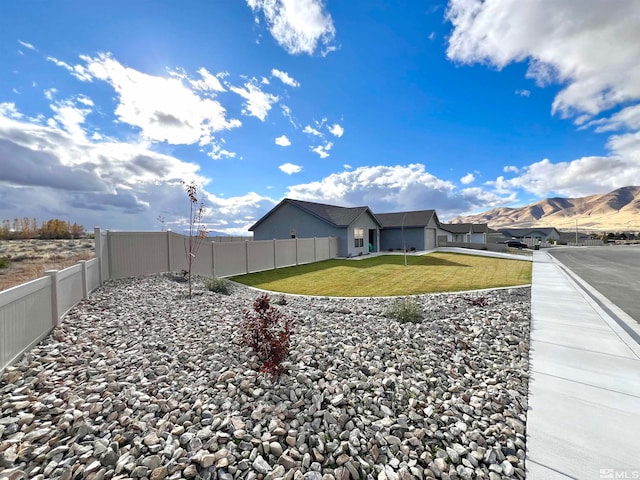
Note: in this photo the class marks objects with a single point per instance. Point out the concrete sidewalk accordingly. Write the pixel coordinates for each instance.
(583, 420)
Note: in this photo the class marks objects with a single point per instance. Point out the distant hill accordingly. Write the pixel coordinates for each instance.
(618, 210)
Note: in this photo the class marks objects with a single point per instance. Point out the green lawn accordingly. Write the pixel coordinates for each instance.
(386, 275)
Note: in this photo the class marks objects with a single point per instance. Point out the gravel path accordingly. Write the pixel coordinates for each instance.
(139, 382)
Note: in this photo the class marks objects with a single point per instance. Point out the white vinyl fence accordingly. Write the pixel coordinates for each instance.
(28, 312)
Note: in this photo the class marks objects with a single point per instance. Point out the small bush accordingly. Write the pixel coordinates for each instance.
(218, 285)
(4, 262)
(268, 334)
(477, 301)
(280, 301)
(405, 310)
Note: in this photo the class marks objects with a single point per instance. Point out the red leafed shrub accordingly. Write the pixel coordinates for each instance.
(268, 334)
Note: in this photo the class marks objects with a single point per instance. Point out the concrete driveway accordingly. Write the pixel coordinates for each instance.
(614, 271)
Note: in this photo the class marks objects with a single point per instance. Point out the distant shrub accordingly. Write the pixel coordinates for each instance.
(268, 334)
(280, 301)
(4, 262)
(218, 285)
(405, 310)
(477, 301)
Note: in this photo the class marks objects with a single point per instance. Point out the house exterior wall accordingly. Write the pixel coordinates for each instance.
(391, 238)
(286, 218)
(366, 223)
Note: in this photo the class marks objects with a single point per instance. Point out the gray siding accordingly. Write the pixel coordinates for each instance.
(286, 218)
(366, 223)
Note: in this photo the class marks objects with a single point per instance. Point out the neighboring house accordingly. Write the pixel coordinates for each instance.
(466, 232)
(411, 230)
(356, 228)
(539, 234)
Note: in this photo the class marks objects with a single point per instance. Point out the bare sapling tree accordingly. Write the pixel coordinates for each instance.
(197, 231)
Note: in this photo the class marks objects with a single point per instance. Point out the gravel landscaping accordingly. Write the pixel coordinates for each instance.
(140, 382)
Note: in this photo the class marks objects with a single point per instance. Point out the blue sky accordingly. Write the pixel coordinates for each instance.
(461, 106)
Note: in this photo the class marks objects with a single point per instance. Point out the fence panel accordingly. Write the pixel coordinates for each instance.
(26, 317)
(230, 258)
(285, 252)
(93, 274)
(137, 253)
(323, 248)
(306, 250)
(260, 255)
(70, 288)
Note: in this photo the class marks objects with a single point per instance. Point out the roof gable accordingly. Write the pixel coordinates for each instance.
(465, 227)
(337, 216)
(413, 219)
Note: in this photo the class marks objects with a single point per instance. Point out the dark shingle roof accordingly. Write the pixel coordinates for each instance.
(465, 227)
(525, 232)
(417, 218)
(336, 216)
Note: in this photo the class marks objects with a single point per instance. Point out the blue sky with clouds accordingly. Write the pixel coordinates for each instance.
(461, 106)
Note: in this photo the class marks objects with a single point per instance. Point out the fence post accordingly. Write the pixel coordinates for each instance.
(85, 285)
(329, 240)
(296, 250)
(213, 259)
(97, 245)
(169, 251)
(315, 250)
(55, 317)
(246, 255)
(275, 257)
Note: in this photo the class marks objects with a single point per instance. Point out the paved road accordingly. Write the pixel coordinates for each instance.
(612, 271)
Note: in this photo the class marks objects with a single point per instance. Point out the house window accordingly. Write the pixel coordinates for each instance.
(358, 237)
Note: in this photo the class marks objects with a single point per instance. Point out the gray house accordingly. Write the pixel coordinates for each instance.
(466, 232)
(539, 233)
(411, 230)
(356, 228)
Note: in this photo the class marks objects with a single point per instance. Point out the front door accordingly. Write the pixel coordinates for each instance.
(373, 247)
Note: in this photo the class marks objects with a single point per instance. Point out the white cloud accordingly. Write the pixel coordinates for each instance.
(285, 78)
(309, 129)
(117, 185)
(258, 103)
(591, 47)
(299, 26)
(78, 71)
(163, 108)
(523, 92)
(8, 109)
(283, 141)
(26, 45)
(322, 150)
(290, 168)
(336, 130)
(580, 177)
(286, 111)
(208, 82)
(510, 168)
(346, 166)
(467, 179)
(627, 118)
(71, 117)
(432, 35)
(217, 151)
(393, 188)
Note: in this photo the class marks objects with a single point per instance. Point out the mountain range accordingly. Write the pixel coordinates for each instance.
(618, 210)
